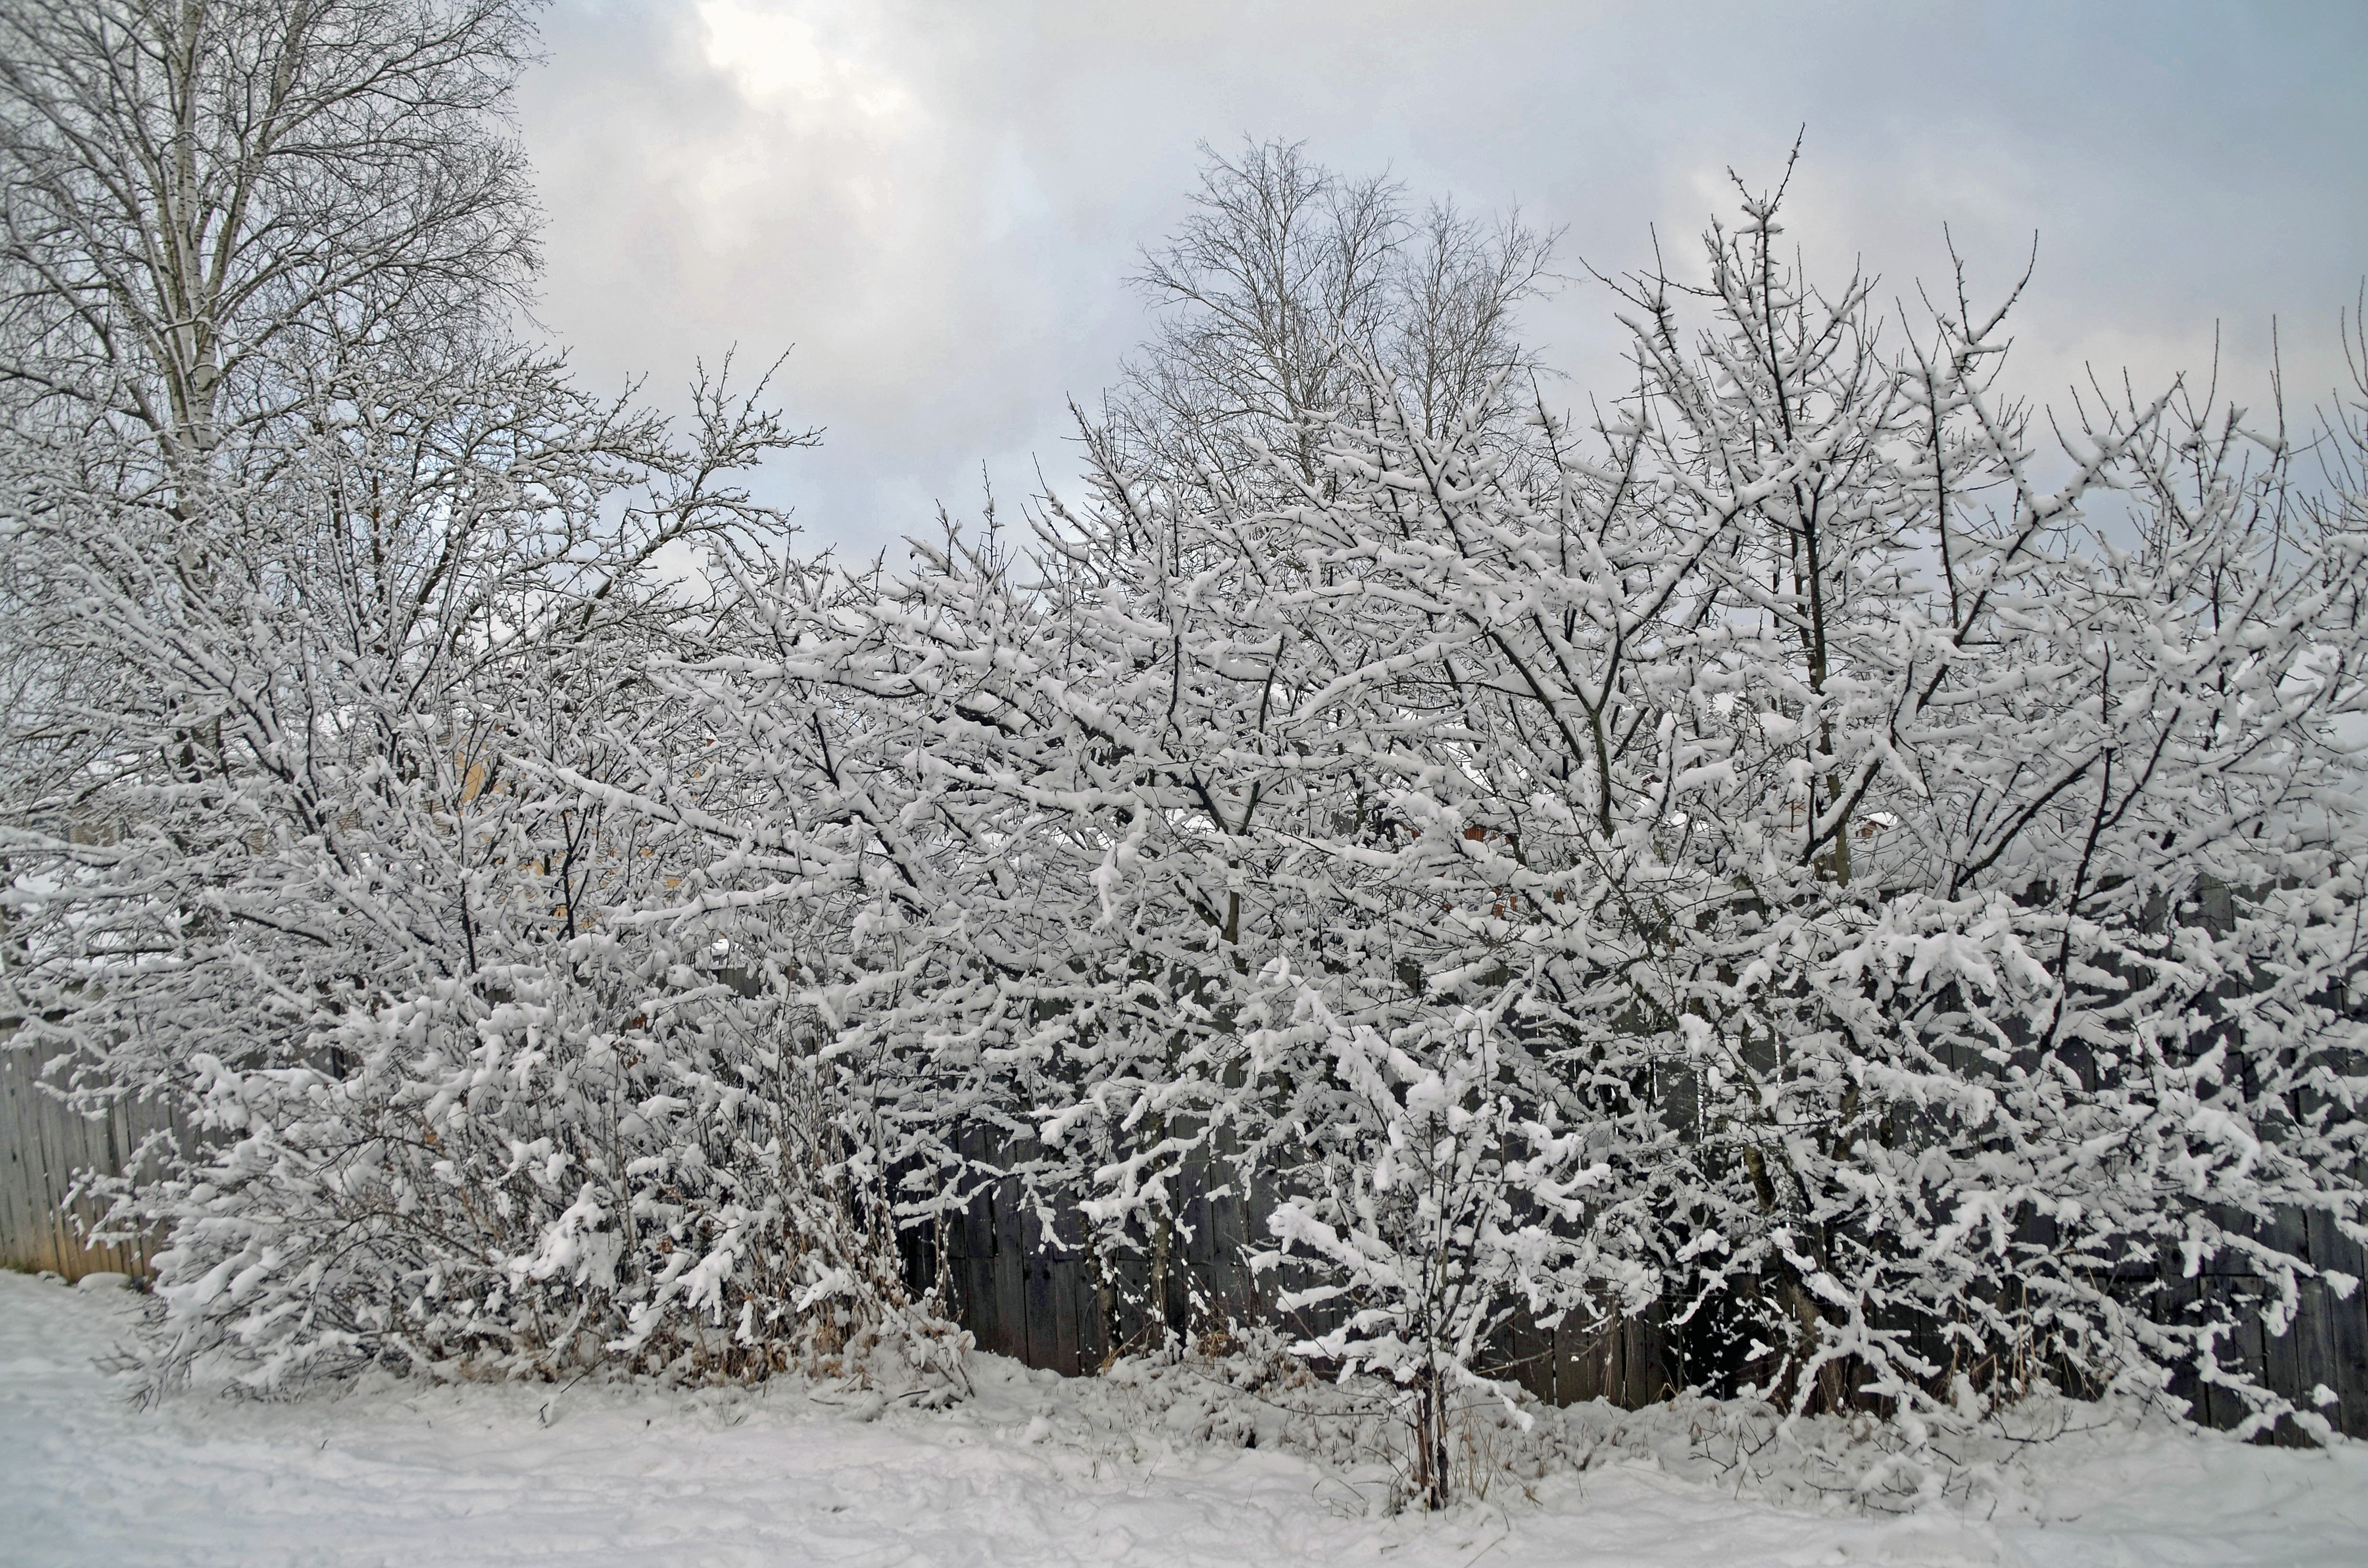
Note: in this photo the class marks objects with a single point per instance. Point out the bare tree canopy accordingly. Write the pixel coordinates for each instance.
(1286, 280)
(211, 204)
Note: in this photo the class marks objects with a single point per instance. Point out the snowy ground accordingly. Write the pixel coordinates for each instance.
(1024, 1473)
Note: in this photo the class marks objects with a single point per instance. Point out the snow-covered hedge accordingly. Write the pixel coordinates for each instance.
(1820, 852)
(1794, 854)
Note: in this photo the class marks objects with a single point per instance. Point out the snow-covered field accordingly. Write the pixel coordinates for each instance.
(1030, 1471)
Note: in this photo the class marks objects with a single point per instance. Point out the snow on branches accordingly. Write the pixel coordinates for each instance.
(1802, 857)
(311, 594)
(1799, 857)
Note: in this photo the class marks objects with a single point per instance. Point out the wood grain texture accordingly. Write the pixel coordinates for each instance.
(43, 1146)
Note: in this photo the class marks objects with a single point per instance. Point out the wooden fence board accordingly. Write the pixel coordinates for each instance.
(975, 1233)
(1060, 1289)
(43, 1145)
(1036, 1297)
(2283, 1372)
(1036, 1280)
(2345, 1327)
(1010, 1273)
(1068, 1338)
(1229, 1283)
(1528, 1355)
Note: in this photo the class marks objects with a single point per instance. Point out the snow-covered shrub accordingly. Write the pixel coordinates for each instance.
(1827, 813)
(453, 1107)
(934, 844)
(508, 1189)
(1786, 864)
(328, 582)
(1430, 1208)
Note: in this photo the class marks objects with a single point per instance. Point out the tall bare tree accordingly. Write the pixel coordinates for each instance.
(210, 201)
(1284, 282)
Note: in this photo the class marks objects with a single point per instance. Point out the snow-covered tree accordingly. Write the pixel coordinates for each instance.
(207, 204)
(326, 589)
(1284, 284)
(1827, 816)
(1780, 861)
(1801, 856)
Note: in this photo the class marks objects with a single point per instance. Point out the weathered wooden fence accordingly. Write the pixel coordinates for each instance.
(1031, 1289)
(1027, 1289)
(2325, 1346)
(42, 1144)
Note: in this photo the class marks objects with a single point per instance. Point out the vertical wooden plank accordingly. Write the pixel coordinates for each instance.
(2281, 1367)
(96, 1150)
(1667, 1376)
(2175, 1306)
(2245, 1298)
(1600, 1362)
(1585, 1373)
(1196, 1252)
(1061, 1285)
(1132, 1283)
(956, 1263)
(1636, 1364)
(2345, 1329)
(2213, 1406)
(134, 1120)
(1093, 1342)
(2312, 1336)
(1036, 1280)
(978, 1243)
(1010, 1269)
(2219, 1410)
(1061, 1265)
(38, 1245)
(1253, 1208)
(16, 1159)
(1529, 1354)
(978, 1297)
(2238, 1350)
(53, 1152)
(1227, 1286)
(2284, 1353)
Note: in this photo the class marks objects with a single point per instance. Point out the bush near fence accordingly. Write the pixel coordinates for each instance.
(1027, 1286)
(1029, 1289)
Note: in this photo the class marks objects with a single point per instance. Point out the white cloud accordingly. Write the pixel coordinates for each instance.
(799, 66)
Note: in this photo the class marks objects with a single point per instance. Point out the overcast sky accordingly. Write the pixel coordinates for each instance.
(936, 205)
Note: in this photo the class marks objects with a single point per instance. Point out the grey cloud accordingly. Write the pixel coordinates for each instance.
(938, 203)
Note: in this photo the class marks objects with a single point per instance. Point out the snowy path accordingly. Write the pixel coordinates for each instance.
(473, 1476)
